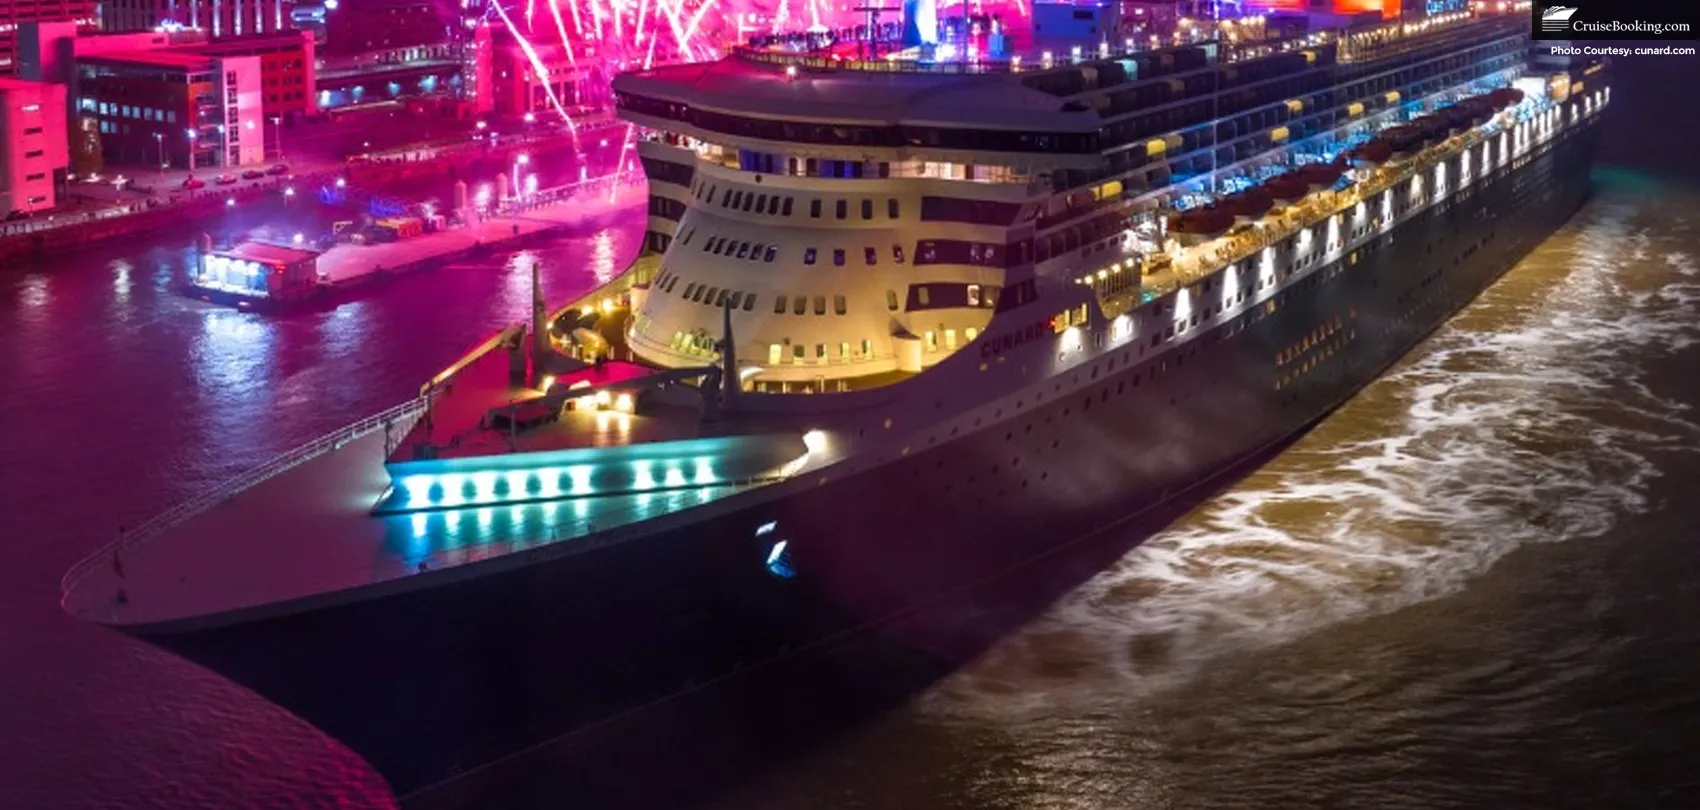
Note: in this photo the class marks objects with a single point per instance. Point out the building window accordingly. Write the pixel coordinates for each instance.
(871, 255)
(867, 209)
(800, 305)
(838, 257)
(779, 305)
(814, 209)
(809, 256)
(891, 209)
(786, 211)
(897, 253)
(839, 305)
(842, 208)
(820, 305)
(891, 300)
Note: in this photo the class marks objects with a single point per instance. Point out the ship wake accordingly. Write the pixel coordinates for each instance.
(1529, 419)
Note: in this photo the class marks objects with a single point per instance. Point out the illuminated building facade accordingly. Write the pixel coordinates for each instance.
(14, 13)
(184, 109)
(219, 18)
(32, 144)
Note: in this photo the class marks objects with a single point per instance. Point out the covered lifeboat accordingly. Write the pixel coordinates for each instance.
(1372, 153)
(1288, 187)
(1208, 220)
(1403, 139)
(1248, 205)
(1322, 175)
(1505, 97)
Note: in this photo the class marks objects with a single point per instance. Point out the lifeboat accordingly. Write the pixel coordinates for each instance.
(1206, 221)
(1249, 204)
(1506, 97)
(1321, 175)
(1289, 187)
(1374, 152)
(1402, 140)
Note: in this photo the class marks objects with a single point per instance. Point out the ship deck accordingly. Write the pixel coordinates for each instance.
(308, 533)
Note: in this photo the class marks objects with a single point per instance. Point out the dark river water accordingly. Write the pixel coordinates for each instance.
(1473, 586)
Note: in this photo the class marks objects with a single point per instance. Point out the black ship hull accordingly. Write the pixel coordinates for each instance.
(912, 568)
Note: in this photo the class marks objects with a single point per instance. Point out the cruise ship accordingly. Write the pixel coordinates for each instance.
(914, 311)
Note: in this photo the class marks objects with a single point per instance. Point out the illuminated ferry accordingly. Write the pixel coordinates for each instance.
(911, 313)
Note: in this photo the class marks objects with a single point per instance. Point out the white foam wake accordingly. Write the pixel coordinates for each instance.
(1527, 420)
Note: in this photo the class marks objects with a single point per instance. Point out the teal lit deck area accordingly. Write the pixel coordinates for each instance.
(309, 534)
(459, 458)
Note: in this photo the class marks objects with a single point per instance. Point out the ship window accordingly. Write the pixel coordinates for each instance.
(720, 300)
(971, 333)
(950, 339)
(709, 245)
(743, 249)
(732, 199)
(761, 202)
(797, 352)
(809, 167)
(844, 351)
(838, 257)
(867, 209)
(786, 210)
(711, 190)
(820, 352)
(755, 252)
(891, 209)
(774, 353)
(871, 255)
(750, 302)
(735, 299)
(709, 297)
(771, 253)
(973, 295)
(809, 256)
(779, 305)
(932, 341)
(839, 305)
(800, 305)
(923, 295)
(820, 305)
(842, 208)
(891, 300)
(749, 199)
(897, 253)
(791, 166)
(773, 205)
(867, 348)
(814, 206)
(688, 234)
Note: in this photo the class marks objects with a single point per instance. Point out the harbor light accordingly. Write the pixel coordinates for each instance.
(548, 381)
(229, 202)
(342, 182)
(299, 238)
(289, 192)
(623, 403)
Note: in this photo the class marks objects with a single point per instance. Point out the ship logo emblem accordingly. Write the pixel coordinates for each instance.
(1557, 18)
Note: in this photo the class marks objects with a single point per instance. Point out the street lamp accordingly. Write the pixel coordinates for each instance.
(191, 134)
(159, 140)
(277, 134)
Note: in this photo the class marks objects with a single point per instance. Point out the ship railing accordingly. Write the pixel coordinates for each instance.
(397, 420)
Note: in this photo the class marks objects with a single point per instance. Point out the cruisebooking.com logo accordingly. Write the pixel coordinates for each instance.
(1618, 20)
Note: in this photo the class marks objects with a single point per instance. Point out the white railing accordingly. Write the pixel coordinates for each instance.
(400, 419)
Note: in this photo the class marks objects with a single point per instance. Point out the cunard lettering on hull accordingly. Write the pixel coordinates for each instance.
(1009, 341)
